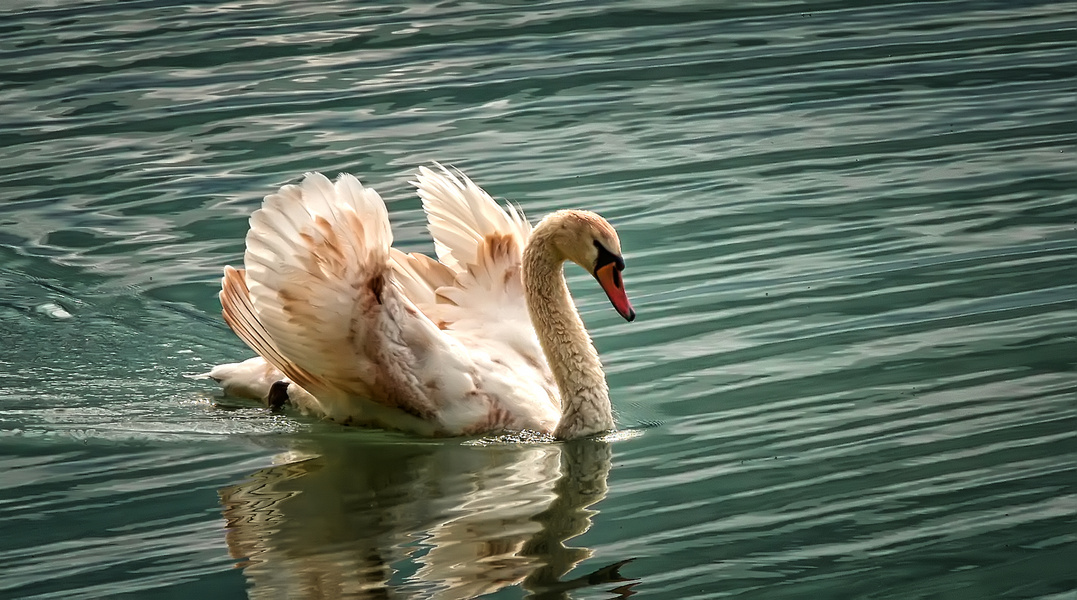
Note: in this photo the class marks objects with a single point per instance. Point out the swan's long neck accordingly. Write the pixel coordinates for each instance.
(585, 400)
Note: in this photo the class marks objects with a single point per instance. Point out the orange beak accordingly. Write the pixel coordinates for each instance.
(609, 277)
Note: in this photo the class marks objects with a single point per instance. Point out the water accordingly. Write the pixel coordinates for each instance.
(851, 236)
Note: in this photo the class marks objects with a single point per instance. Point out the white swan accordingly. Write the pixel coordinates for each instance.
(486, 339)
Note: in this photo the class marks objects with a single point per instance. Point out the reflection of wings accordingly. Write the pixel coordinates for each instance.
(466, 520)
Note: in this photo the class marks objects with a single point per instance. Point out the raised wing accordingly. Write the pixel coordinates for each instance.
(480, 244)
(381, 337)
(316, 299)
(462, 216)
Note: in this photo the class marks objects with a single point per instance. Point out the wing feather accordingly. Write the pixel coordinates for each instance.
(461, 215)
(239, 314)
(383, 337)
(419, 276)
(319, 282)
(483, 244)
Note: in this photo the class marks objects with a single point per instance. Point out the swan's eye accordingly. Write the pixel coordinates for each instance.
(606, 257)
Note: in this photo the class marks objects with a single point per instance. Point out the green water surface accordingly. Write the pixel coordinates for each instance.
(851, 238)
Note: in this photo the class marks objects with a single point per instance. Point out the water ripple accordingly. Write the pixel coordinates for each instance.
(850, 236)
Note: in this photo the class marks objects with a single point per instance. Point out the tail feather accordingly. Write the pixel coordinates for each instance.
(253, 378)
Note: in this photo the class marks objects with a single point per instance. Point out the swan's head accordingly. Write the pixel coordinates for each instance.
(588, 240)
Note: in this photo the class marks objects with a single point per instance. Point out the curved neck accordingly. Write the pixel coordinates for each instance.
(585, 400)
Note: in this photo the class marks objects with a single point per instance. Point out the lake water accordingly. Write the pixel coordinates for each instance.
(851, 237)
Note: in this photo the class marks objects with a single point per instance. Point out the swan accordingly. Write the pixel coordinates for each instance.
(485, 339)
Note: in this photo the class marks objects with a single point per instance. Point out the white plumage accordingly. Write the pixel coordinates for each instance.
(368, 335)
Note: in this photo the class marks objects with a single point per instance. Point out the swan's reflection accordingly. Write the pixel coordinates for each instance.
(419, 519)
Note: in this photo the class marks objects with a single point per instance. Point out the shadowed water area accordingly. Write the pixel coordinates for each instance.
(850, 231)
